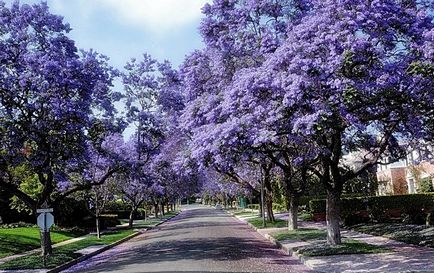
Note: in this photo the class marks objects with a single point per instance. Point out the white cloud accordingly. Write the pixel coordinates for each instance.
(156, 15)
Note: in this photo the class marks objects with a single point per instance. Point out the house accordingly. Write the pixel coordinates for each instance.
(392, 177)
(420, 170)
(412, 174)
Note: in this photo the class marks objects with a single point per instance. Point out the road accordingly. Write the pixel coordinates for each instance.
(200, 239)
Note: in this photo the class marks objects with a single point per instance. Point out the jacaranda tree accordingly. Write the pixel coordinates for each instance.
(343, 79)
(49, 91)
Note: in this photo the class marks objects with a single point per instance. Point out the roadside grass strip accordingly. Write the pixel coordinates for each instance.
(305, 216)
(317, 243)
(64, 253)
(420, 235)
(302, 234)
(18, 240)
(245, 213)
(278, 223)
(348, 246)
(150, 221)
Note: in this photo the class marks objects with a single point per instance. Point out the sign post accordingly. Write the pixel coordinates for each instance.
(45, 221)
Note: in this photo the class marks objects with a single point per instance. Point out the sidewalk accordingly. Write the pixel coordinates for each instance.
(402, 257)
(86, 252)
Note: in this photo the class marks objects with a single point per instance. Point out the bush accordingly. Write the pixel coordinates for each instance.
(109, 220)
(17, 225)
(278, 207)
(125, 214)
(412, 208)
(253, 206)
(429, 220)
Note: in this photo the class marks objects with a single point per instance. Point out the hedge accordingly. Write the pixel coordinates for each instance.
(253, 206)
(380, 207)
(276, 207)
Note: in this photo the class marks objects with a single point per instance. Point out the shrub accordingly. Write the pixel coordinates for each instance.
(253, 206)
(17, 225)
(109, 220)
(279, 207)
(411, 207)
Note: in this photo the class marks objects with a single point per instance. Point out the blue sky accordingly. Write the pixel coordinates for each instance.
(121, 29)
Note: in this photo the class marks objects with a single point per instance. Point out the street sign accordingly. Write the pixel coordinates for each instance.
(45, 221)
(44, 210)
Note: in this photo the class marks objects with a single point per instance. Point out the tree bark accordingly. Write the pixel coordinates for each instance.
(161, 210)
(156, 210)
(46, 247)
(269, 204)
(293, 212)
(98, 229)
(333, 218)
(268, 196)
(131, 219)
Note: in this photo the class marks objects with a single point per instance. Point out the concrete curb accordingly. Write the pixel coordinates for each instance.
(99, 251)
(271, 239)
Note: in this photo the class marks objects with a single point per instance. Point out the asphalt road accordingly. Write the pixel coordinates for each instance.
(200, 239)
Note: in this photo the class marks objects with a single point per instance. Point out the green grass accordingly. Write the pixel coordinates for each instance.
(278, 223)
(65, 253)
(302, 234)
(18, 240)
(347, 247)
(410, 234)
(318, 245)
(149, 221)
(245, 213)
(305, 216)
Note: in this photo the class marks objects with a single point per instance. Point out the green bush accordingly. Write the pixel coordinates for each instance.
(253, 206)
(425, 185)
(17, 225)
(279, 207)
(413, 207)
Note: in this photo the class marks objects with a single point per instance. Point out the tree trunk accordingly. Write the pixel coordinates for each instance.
(269, 204)
(333, 218)
(156, 210)
(161, 210)
(98, 229)
(131, 220)
(46, 247)
(293, 212)
(260, 208)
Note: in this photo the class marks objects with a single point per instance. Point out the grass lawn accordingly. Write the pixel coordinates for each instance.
(246, 212)
(305, 216)
(302, 234)
(18, 240)
(278, 223)
(348, 246)
(65, 253)
(411, 234)
(149, 221)
(318, 245)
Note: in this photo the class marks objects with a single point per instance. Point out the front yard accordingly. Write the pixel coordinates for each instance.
(17, 240)
(412, 234)
(64, 253)
(316, 243)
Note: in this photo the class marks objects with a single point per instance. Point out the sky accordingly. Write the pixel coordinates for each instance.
(122, 29)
